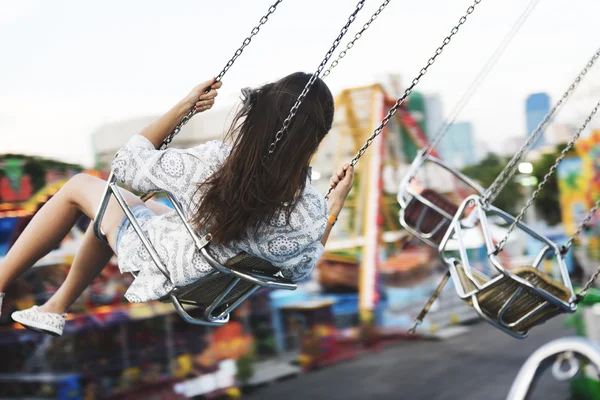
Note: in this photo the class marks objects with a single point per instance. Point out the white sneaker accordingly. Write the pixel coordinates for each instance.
(41, 321)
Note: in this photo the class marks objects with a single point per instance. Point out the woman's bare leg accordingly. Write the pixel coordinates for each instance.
(90, 260)
(82, 194)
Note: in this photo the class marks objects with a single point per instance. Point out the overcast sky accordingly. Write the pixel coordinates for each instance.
(68, 66)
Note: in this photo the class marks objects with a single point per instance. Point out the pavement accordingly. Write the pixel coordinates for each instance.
(478, 365)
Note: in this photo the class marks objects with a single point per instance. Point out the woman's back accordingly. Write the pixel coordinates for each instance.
(289, 241)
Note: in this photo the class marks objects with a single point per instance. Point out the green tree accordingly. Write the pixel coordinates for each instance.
(510, 198)
(547, 203)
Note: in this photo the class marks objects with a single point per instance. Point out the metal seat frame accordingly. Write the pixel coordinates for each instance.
(408, 197)
(217, 312)
(474, 282)
(574, 350)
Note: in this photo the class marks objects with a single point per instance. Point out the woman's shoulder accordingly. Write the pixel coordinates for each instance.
(213, 145)
(312, 202)
(211, 151)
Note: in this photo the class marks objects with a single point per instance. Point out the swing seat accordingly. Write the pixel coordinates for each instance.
(220, 292)
(514, 300)
(217, 293)
(428, 213)
(513, 305)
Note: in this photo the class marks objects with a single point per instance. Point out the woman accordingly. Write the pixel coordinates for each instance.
(248, 199)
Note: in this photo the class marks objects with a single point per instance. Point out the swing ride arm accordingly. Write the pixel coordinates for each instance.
(572, 350)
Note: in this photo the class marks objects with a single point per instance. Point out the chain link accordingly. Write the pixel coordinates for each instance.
(358, 35)
(582, 225)
(588, 285)
(550, 172)
(313, 78)
(221, 74)
(414, 83)
(434, 296)
(567, 246)
(409, 90)
(488, 66)
(511, 167)
(413, 329)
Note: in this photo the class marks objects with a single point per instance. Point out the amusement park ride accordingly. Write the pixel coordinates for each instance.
(452, 216)
(369, 223)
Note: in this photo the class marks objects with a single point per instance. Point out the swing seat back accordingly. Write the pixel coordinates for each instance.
(471, 284)
(428, 215)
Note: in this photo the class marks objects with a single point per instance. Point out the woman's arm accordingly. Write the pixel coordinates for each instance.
(157, 131)
(342, 182)
(326, 234)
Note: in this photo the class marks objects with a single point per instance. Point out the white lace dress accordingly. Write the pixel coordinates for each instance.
(294, 247)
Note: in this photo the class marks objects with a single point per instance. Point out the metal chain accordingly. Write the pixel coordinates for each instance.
(427, 307)
(488, 66)
(588, 285)
(313, 78)
(237, 53)
(409, 90)
(358, 35)
(510, 169)
(550, 172)
(567, 246)
(582, 225)
(413, 329)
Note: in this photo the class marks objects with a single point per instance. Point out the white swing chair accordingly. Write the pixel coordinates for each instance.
(427, 213)
(514, 300)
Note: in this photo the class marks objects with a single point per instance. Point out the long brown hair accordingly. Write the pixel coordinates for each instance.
(252, 186)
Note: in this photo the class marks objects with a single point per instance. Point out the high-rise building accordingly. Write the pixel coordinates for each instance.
(537, 106)
(458, 146)
(434, 114)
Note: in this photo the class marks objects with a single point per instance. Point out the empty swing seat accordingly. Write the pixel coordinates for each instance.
(430, 214)
(514, 300)
(427, 214)
(512, 305)
(517, 306)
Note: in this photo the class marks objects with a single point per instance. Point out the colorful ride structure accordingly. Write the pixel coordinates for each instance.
(371, 254)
